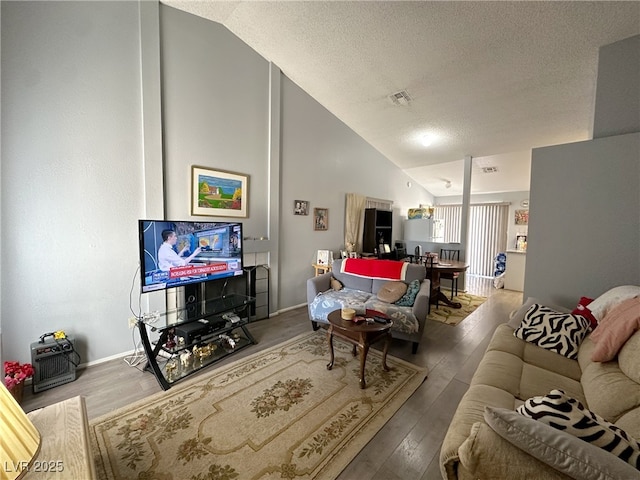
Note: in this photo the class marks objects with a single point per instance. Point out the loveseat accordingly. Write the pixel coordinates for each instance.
(361, 292)
(496, 431)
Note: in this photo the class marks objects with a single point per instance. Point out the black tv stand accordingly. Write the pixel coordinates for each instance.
(186, 345)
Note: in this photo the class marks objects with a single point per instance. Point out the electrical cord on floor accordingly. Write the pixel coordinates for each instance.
(138, 356)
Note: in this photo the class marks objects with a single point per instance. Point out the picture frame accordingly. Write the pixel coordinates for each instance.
(219, 193)
(522, 217)
(301, 207)
(321, 219)
(322, 257)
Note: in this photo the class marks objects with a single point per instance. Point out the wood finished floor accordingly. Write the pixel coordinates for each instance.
(407, 447)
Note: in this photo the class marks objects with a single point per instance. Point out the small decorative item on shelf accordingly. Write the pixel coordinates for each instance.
(185, 358)
(15, 374)
(171, 367)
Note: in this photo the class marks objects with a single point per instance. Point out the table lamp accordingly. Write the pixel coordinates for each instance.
(19, 439)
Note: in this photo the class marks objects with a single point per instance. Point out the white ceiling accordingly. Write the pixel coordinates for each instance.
(487, 79)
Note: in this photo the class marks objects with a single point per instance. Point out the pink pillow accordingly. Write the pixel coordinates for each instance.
(615, 329)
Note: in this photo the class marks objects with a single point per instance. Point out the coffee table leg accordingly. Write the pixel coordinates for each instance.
(364, 349)
(387, 341)
(330, 337)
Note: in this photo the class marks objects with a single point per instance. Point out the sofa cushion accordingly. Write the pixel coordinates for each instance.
(504, 340)
(609, 299)
(561, 450)
(560, 411)
(615, 329)
(559, 332)
(391, 292)
(602, 382)
(629, 358)
(486, 455)
(336, 284)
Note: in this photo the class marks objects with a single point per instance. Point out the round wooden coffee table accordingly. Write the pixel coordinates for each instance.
(362, 335)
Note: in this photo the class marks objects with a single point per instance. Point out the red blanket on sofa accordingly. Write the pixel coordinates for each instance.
(380, 269)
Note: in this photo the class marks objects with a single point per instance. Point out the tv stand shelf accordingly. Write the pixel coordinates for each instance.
(212, 329)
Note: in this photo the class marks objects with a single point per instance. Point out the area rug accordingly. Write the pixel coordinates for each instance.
(276, 414)
(453, 316)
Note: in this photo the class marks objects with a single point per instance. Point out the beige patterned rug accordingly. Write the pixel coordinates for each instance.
(276, 414)
(453, 316)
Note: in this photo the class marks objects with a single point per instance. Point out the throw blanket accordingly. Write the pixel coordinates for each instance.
(379, 269)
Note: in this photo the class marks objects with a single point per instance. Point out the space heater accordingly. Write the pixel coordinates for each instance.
(53, 362)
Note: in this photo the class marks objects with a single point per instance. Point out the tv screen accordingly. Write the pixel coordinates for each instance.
(178, 253)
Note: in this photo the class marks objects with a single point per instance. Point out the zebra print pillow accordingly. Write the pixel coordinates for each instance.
(560, 411)
(559, 332)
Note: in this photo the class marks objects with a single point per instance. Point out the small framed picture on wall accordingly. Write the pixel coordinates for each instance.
(522, 217)
(321, 219)
(301, 207)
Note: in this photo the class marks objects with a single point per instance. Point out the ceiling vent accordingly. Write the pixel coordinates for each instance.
(489, 169)
(400, 98)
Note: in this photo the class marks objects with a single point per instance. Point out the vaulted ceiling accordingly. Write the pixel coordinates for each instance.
(487, 79)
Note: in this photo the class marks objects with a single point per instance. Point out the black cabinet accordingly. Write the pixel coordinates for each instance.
(377, 229)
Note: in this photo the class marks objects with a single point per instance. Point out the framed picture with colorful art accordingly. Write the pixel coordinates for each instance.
(522, 217)
(218, 193)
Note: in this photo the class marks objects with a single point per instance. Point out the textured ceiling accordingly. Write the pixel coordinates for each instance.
(488, 79)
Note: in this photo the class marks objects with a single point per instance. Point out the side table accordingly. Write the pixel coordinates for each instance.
(361, 335)
(320, 268)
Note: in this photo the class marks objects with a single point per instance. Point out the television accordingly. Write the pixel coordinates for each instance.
(176, 253)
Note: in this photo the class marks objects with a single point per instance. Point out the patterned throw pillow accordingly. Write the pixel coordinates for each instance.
(559, 332)
(409, 298)
(560, 411)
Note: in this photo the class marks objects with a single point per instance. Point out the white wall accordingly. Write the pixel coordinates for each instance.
(71, 173)
(102, 104)
(322, 161)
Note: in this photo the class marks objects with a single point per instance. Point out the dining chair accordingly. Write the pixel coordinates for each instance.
(450, 254)
(435, 280)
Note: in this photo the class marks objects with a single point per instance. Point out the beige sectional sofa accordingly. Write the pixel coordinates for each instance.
(513, 371)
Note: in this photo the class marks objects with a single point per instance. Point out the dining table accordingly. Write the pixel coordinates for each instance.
(438, 268)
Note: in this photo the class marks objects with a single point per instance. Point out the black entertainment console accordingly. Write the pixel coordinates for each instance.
(187, 344)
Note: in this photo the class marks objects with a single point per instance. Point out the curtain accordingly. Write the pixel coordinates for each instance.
(451, 216)
(378, 203)
(353, 219)
(487, 233)
(487, 237)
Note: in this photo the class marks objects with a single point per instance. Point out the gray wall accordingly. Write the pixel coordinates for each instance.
(72, 186)
(617, 107)
(105, 107)
(584, 219)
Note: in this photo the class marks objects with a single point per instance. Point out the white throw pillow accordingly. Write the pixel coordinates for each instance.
(609, 299)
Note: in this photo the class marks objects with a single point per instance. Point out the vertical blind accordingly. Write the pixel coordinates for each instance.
(487, 233)
(451, 215)
(487, 237)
